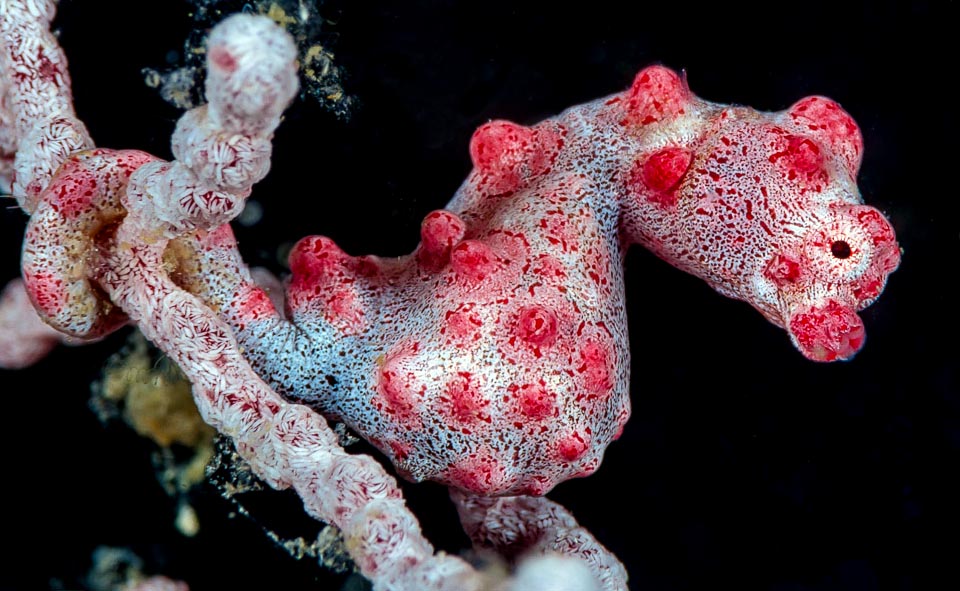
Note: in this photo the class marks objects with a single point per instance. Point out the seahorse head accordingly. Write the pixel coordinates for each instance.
(772, 202)
(763, 206)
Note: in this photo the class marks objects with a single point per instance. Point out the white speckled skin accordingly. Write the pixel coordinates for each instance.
(36, 105)
(494, 358)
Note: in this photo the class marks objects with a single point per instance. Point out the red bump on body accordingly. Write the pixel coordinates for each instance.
(828, 332)
(324, 280)
(506, 154)
(462, 324)
(498, 150)
(479, 473)
(572, 447)
(463, 401)
(316, 257)
(803, 154)
(825, 119)
(657, 93)
(534, 401)
(596, 361)
(253, 305)
(439, 232)
(399, 388)
(783, 269)
(473, 260)
(658, 176)
(537, 486)
(886, 251)
(536, 325)
(800, 159)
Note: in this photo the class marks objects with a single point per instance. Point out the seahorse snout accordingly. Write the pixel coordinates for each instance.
(829, 332)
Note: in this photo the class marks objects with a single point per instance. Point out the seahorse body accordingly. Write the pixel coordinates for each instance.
(495, 358)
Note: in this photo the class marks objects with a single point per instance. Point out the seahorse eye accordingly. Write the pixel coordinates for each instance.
(840, 249)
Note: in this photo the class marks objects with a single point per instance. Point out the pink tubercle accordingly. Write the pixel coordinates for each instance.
(439, 232)
(537, 325)
(663, 170)
(657, 93)
(463, 401)
(827, 333)
(222, 59)
(507, 155)
(253, 304)
(316, 258)
(462, 325)
(886, 255)
(573, 446)
(479, 473)
(803, 154)
(823, 117)
(473, 260)
(800, 161)
(783, 269)
(399, 389)
(325, 281)
(535, 401)
(596, 360)
(498, 149)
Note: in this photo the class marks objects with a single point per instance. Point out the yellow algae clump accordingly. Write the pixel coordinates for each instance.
(155, 398)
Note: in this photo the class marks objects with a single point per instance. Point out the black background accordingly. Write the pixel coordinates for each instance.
(744, 466)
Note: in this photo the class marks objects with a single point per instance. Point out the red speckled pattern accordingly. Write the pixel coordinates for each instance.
(494, 358)
(82, 200)
(119, 236)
